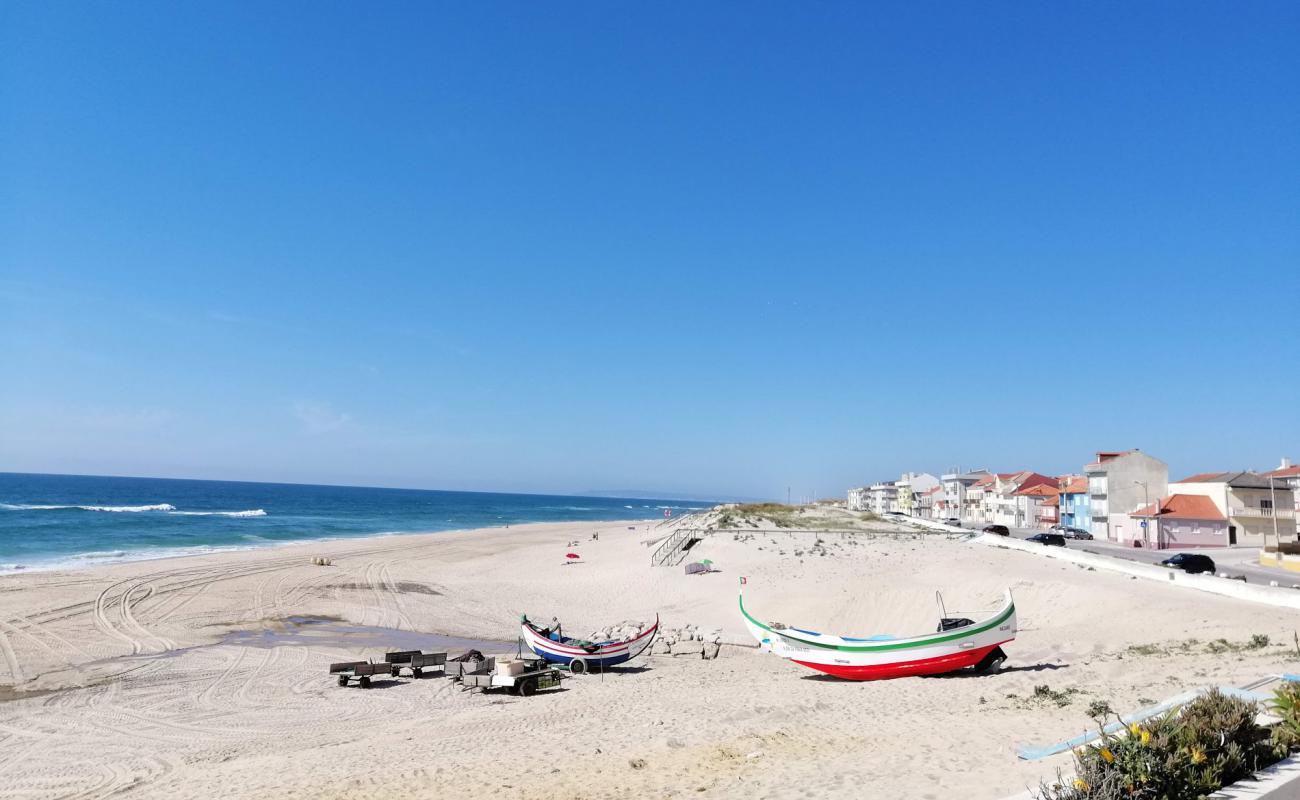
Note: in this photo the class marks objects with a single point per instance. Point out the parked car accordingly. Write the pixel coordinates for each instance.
(1000, 530)
(1075, 533)
(1190, 563)
(953, 521)
(1048, 539)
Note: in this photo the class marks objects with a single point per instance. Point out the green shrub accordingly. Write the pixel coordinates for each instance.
(1212, 743)
(1286, 704)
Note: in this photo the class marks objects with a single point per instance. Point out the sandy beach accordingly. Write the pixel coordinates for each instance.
(166, 678)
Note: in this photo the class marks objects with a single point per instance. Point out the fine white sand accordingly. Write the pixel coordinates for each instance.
(114, 679)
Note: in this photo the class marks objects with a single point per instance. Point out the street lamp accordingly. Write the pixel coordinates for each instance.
(1146, 533)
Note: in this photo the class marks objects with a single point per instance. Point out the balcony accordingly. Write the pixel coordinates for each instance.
(1262, 513)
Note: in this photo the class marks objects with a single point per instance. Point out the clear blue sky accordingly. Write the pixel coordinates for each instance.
(733, 248)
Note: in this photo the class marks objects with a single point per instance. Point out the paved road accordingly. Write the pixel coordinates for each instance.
(1232, 560)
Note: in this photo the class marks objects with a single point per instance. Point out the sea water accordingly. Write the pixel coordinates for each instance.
(67, 521)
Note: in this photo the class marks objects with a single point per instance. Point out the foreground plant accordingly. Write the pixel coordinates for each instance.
(1213, 742)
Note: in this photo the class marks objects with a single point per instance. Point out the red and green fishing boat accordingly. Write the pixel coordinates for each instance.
(958, 644)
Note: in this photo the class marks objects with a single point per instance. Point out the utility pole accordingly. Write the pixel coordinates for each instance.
(787, 495)
(1146, 497)
(1272, 493)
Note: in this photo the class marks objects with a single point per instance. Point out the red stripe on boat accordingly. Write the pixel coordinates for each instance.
(902, 669)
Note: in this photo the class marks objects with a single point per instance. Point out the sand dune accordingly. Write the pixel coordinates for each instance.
(135, 677)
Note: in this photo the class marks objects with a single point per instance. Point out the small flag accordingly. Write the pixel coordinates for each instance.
(742, 580)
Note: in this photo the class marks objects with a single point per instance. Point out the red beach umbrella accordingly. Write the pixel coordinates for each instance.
(572, 555)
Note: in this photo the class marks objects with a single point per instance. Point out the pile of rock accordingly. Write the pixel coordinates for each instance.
(689, 640)
(626, 629)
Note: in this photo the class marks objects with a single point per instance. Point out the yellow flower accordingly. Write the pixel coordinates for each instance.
(1146, 737)
(1107, 755)
(1134, 728)
(1081, 784)
(1198, 755)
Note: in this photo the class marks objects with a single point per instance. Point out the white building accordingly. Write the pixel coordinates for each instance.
(860, 499)
(1289, 474)
(908, 489)
(951, 500)
(1120, 483)
(884, 497)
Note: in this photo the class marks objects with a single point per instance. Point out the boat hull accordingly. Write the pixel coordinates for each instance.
(606, 654)
(937, 665)
(880, 658)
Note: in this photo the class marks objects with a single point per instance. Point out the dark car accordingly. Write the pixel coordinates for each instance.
(1191, 563)
(1048, 538)
(1000, 530)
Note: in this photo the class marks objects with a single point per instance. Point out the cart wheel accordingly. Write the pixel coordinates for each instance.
(514, 690)
(365, 682)
(343, 680)
(528, 688)
(577, 666)
(416, 672)
(394, 671)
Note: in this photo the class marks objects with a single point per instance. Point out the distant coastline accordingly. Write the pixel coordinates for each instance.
(50, 522)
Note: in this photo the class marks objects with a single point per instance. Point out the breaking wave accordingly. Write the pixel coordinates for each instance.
(256, 512)
(112, 509)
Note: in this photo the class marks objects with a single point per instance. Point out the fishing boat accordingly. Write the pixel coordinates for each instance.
(581, 655)
(957, 644)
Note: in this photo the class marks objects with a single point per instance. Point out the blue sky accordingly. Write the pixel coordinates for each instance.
(711, 249)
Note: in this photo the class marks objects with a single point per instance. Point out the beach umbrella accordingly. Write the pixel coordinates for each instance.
(708, 562)
(572, 555)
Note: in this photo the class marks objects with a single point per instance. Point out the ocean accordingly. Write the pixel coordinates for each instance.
(69, 521)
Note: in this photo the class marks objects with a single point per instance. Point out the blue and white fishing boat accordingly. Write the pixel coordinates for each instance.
(580, 655)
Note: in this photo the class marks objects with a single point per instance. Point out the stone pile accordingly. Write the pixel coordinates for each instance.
(689, 640)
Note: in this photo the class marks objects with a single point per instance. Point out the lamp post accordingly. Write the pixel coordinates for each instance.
(1146, 534)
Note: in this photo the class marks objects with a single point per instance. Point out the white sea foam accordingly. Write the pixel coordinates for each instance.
(114, 509)
(256, 512)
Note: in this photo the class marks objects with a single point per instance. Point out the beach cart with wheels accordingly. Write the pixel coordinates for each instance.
(524, 677)
(363, 671)
(417, 662)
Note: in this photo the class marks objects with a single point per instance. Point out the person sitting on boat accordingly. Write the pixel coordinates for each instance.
(554, 632)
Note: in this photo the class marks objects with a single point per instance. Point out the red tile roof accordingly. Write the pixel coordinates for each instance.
(1285, 472)
(1203, 477)
(1183, 506)
(1039, 490)
(1076, 486)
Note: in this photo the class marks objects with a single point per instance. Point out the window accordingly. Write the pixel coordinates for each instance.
(1266, 504)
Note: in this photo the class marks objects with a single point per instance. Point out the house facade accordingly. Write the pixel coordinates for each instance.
(1044, 503)
(1120, 483)
(1289, 474)
(1260, 509)
(976, 507)
(1075, 509)
(884, 497)
(909, 487)
(1183, 521)
(859, 499)
(1008, 505)
(951, 501)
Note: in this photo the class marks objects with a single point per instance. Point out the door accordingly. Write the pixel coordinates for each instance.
(1232, 534)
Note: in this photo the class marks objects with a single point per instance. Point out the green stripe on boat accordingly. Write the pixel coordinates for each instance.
(961, 633)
